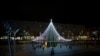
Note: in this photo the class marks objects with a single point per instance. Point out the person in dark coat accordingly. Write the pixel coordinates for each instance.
(70, 45)
(52, 52)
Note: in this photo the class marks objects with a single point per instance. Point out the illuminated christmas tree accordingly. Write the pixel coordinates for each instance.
(51, 36)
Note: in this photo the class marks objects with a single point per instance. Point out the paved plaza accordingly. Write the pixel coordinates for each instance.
(28, 50)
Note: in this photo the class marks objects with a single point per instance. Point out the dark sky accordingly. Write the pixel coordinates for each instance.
(61, 12)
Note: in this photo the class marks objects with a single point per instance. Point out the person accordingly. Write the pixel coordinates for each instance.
(32, 44)
(43, 48)
(95, 33)
(34, 48)
(52, 52)
(60, 46)
(70, 46)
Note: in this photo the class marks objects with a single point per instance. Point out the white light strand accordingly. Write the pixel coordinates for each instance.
(46, 32)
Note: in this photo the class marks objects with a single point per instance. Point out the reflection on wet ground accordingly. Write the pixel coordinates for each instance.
(28, 50)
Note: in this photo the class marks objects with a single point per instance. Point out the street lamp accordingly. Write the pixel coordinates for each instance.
(15, 40)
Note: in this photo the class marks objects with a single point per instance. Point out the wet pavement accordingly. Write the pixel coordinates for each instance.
(28, 50)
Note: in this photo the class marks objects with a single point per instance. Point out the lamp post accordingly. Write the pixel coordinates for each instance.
(9, 29)
(15, 41)
(8, 34)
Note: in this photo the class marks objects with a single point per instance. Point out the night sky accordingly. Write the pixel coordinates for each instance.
(61, 12)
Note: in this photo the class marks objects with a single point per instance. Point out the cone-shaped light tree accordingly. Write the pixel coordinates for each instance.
(51, 36)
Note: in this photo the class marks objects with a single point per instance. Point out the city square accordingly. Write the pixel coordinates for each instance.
(49, 29)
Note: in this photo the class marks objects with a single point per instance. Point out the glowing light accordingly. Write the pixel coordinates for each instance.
(46, 33)
(83, 37)
(46, 43)
(32, 37)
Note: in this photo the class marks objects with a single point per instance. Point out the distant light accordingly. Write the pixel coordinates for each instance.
(40, 25)
(32, 37)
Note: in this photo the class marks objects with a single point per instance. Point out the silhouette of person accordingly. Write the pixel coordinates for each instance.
(60, 46)
(52, 52)
(95, 33)
(70, 46)
(32, 44)
(34, 48)
(43, 47)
